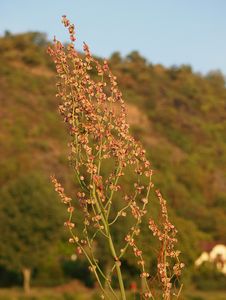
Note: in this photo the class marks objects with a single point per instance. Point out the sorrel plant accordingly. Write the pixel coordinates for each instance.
(94, 111)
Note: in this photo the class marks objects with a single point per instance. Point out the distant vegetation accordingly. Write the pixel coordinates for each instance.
(179, 115)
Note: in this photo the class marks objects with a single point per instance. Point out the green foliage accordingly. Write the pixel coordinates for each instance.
(207, 277)
(28, 47)
(79, 270)
(184, 136)
(30, 220)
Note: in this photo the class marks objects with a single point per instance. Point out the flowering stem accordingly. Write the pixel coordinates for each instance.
(118, 268)
(111, 246)
(100, 133)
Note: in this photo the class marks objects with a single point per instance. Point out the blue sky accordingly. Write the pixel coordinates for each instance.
(170, 32)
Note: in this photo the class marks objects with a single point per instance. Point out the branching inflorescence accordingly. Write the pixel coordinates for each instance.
(94, 111)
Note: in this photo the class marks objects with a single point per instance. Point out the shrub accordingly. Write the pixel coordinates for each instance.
(207, 277)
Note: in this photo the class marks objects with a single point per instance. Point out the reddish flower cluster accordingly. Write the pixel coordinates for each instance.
(94, 111)
(60, 190)
(166, 235)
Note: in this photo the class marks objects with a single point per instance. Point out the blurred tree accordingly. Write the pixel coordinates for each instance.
(30, 222)
(116, 58)
(136, 58)
(7, 33)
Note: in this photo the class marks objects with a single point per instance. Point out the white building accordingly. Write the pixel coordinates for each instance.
(216, 255)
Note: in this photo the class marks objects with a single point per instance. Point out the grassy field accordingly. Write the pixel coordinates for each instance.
(74, 292)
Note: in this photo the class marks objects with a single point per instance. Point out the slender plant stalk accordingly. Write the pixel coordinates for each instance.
(94, 111)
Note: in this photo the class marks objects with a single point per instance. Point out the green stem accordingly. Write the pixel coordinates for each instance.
(118, 268)
(111, 245)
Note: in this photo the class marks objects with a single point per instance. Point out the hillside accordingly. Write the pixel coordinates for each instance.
(179, 116)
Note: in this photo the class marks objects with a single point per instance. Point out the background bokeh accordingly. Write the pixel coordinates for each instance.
(169, 58)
